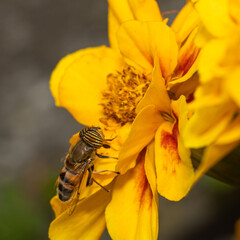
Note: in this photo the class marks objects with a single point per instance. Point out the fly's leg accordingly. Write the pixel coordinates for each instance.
(111, 139)
(90, 179)
(102, 156)
(105, 145)
(100, 185)
(102, 171)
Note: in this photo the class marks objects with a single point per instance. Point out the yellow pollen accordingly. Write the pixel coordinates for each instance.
(125, 90)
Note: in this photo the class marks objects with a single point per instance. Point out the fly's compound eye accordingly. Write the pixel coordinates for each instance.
(92, 137)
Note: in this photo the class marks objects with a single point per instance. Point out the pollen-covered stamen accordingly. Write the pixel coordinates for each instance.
(125, 90)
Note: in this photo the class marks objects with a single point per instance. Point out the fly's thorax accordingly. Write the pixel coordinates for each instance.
(79, 153)
(124, 92)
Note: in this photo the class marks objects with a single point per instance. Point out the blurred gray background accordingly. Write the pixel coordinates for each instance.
(34, 134)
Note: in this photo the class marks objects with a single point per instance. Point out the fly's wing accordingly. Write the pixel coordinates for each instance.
(81, 172)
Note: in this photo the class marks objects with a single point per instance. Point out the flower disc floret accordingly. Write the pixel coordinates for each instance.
(125, 90)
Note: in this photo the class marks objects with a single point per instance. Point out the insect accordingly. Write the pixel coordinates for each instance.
(80, 160)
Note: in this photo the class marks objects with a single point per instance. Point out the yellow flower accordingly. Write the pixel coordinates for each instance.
(163, 166)
(215, 123)
(125, 90)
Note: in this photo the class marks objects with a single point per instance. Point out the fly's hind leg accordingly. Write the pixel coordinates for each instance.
(90, 179)
(100, 185)
(102, 171)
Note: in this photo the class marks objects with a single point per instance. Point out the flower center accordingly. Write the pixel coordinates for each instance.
(125, 90)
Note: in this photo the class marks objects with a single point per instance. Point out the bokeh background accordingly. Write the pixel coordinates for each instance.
(34, 134)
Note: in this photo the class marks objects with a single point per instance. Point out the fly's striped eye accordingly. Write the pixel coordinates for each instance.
(92, 136)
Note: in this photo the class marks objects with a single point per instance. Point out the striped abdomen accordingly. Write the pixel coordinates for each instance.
(66, 184)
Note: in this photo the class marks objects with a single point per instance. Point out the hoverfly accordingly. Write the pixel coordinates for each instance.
(80, 160)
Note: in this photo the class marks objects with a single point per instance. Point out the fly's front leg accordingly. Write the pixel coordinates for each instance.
(91, 162)
(100, 185)
(105, 144)
(90, 179)
(102, 156)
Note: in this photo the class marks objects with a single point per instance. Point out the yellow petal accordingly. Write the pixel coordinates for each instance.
(156, 93)
(57, 206)
(140, 41)
(122, 11)
(185, 85)
(185, 22)
(78, 80)
(234, 9)
(173, 163)
(233, 85)
(113, 26)
(58, 72)
(215, 16)
(231, 134)
(212, 155)
(150, 170)
(210, 60)
(144, 10)
(142, 132)
(132, 212)
(203, 36)
(209, 94)
(86, 222)
(180, 109)
(188, 54)
(207, 124)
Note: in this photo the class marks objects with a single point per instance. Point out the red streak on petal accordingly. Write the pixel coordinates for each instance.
(144, 194)
(190, 98)
(170, 143)
(189, 61)
(186, 61)
(175, 131)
